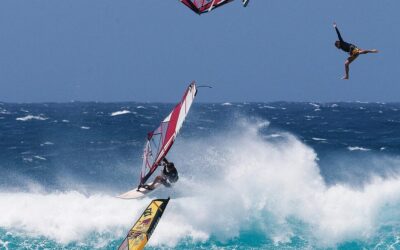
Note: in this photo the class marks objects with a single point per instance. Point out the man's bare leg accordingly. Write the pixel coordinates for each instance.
(366, 51)
(347, 66)
(158, 179)
(346, 70)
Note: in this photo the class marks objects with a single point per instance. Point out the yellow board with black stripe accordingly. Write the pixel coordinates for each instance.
(140, 233)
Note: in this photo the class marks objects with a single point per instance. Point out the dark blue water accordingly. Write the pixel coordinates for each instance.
(253, 175)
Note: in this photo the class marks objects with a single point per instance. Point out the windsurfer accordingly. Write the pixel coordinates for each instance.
(351, 49)
(168, 175)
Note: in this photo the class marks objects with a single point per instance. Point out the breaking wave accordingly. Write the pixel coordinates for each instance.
(32, 117)
(122, 112)
(230, 183)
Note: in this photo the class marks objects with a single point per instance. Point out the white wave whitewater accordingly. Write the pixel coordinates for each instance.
(229, 183)
(122, 112)
(65, 217)
(32, 117)
(247, 180)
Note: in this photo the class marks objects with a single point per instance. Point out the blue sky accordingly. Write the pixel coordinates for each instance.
(131, 50)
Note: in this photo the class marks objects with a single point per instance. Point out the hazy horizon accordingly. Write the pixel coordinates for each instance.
(206, 102)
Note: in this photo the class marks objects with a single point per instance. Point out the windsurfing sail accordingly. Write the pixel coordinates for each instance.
(160, 140)
(144, 227)
(204, 6)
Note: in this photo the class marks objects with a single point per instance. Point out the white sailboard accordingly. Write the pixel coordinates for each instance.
(138, 193)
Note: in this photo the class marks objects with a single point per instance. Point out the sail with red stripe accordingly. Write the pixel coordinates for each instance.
(203, 6)
(161, 139)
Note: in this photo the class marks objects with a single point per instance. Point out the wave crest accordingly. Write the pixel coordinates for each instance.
(230, 182)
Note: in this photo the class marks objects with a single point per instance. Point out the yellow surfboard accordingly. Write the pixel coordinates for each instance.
(140, 233)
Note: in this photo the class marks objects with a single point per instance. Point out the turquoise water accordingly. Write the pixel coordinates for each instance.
(387, 238)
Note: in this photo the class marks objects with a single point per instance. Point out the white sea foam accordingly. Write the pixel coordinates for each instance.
(32, 117)
(84, 127)
(274, 135)
(27, 159)
(40, 157)
(318, 139)
(4, 112)
(4, 244)
(238, 181)
(67, 217)
(270, 184)
(269, 107)
(226, 104)
(47, 143)
(358, 148)
(122, 112)
(309, 117)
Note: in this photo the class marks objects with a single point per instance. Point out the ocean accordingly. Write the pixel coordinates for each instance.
(280, 175)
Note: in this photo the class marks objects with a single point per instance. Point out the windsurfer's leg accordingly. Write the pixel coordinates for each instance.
(347, 66)
(163, 180)
(158, 179)
(346, 70)
(366, 51)
(148, 187)
(166, 183)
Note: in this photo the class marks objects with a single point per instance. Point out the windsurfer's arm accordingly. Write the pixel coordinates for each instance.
(337, 31)
(165, 161)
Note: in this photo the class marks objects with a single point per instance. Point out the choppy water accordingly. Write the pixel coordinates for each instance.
(252, 176)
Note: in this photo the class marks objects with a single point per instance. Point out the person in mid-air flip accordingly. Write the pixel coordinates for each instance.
(168, 175)
(352, 49)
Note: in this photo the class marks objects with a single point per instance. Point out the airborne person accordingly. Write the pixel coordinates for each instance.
(352, 49)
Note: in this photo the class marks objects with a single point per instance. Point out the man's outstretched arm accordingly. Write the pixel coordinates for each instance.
(337, 31)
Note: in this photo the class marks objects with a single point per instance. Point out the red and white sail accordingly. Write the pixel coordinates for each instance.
(161, 139)
(203, 6)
